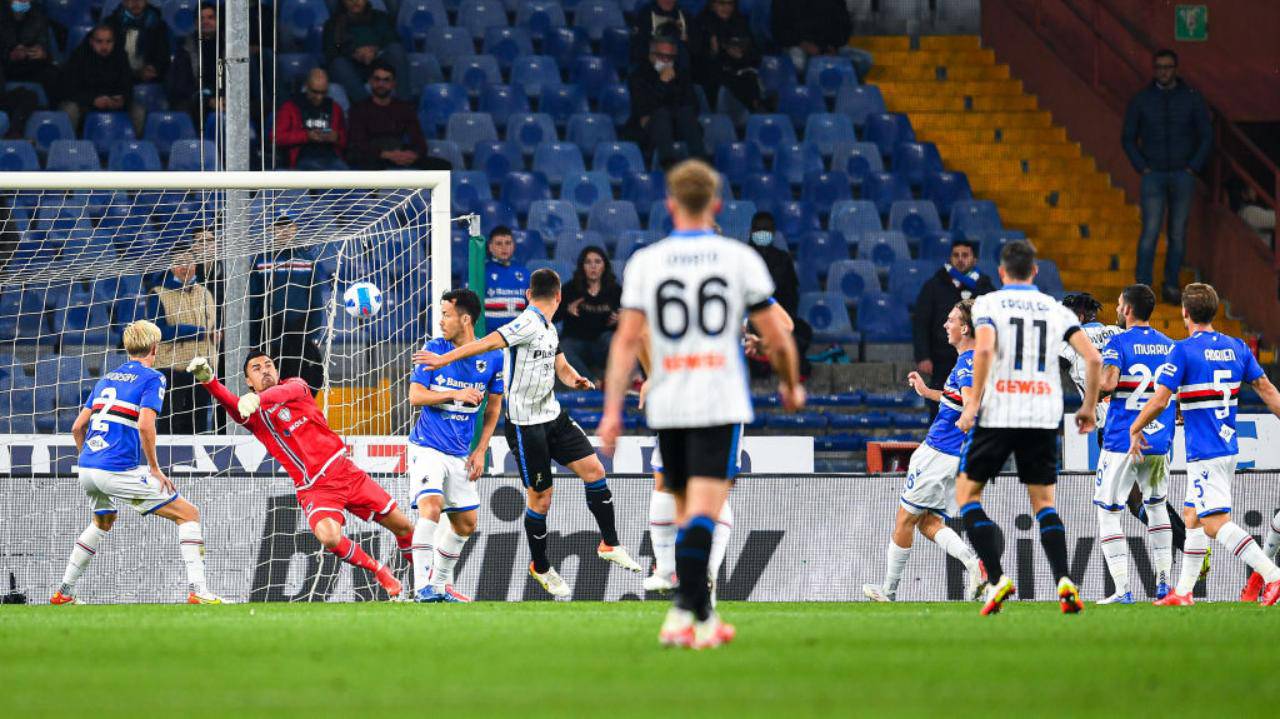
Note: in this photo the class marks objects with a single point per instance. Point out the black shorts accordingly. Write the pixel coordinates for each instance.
(536, 445)
(699, 452)
(1035, 450)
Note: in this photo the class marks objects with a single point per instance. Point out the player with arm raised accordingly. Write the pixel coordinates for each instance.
(931, 474)
(692, 289)
(1206, 371)
(1086, 308)
(284, 417)
(538, 430)
(116, 436)
(1018, 391)
(442, 474)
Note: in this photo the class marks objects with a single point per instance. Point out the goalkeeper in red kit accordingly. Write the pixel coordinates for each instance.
(284, 417)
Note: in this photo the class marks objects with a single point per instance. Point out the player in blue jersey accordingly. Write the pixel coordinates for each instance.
(1130, 361)
(442, 467)
(116, 435)
(931, 475)
(505, 281)
(1206, 371)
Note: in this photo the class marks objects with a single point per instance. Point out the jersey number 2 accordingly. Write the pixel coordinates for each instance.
(673, 311)
(1019, 325)
(108, 397)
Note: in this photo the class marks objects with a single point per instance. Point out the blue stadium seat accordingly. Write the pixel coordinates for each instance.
(529, 246)
(468, 128)
(587, 130)
(853, 219)
(916, 160)
(796, 218)
(817, 251)
(935, 247)
(613, 217)
(468, 190)
(478, 15)
(945, 189)
(194, 155)
(180, 16)
(596, 16)
(302, 18)
(794, 161)
(585, 189)
(508, 44)
(552, 218)
(42, 98)
(730, 107)
(494, 213)
(906, 277)
(642, 189)
(558, 160)
(534, 73)
(105, 128)
(769, 132)
(660, 218)
(991, 244)
(475, 72)
(975, 218)
(73, 156)
(618, 159)
(827, 131)
(561, 268)
(887, 129)
(496, 159)
(133, 156)
(415, 18)
(824, 189)
(446, 150)
(765, 190)
(77, 326)
(1048, 279)
(503, 101)
(540, 16)
(164, 128)
(799, 102)
(735, 218)
(829, 74)
(46, 126)
(615, 102)
(883, 319)
(736, 160)
(883, 248)
(615, 46)
(68, 12)
(449, 43)
(4, 123)
(858, 102)
(914, 218)
(564, 44)
(292, 67)
(884, 189)
(630, 241)
(777, 72)
(570, 244)
(520, 189)
(851, 279)
(797, 422)
(717, 130)
(439, 102)
(530, 130)
(826, 314)
(593, 74)
(150, 96)
(563, 102)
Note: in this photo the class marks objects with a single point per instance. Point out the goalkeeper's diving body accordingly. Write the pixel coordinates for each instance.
(283, 415)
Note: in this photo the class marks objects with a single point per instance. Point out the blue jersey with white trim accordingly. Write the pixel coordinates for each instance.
(1138, 353)
(449, 427)
(112, 441)
(1205, 371)
(944, 435)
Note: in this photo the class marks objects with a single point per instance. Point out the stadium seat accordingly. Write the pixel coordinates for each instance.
(617, 159)
(794, 161)
(824, 189)
(468, 190)
(884, 189)
(827, 131)
(975, 218)
(826, 314)
(468, 128)
(818, 250)
(851, 279)
(615, 46)
(914, 218)
(777, 72)
(552, 218)
(853, 219)
(585, 189)
(540, 16)
(416, 18)
(1048, 279)
(72, 156)
(4, 123)
(615, 102)
(769, 132)
(520, 189)
(944, 189)
(529, 246)
(478, 15)
(103, 129)
(883, 319)
(564, 44)
(728, 105)
(508, 44)
(887, 129)
(292, 67)
(446, 150)
(765, 190)
(593, 74)
(301, 18)
(494, 213)
(68, 12)
(935, 247)
(529, 130)
(133, 156)
(883, 248)
(734, 218)
(630, 241)
(991, 244)
(799, 102)
(796, 422)
(194, 155)
(717, 130)
(660, 218)
(736, 160)
(180, 16)
(534, 73)
(794, 219)
(42, 98)
(587, 130)
(613, 217)
(571, 243)
(642, 189)
(596, 16)
(560, 267)
(916, 161)
(558, 160)
(496, 159)
(439, 102)
(860, 102)
(475, 72)
(150, 96)
(46, 126)
(563, 102)
(906, 277)
(829, 74)
(503, 101)
(164, 128)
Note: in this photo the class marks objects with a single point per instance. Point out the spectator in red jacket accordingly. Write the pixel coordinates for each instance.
(385, 134)
(310, 129)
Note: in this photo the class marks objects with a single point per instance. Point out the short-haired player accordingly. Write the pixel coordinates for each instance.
(115, 433)
(1087, 307)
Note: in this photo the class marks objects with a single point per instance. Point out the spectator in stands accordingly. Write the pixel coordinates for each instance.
(385, 134)
(589, 310)
(285, 304)
(812, 28)
(957, 280)
(664, 108)
(1168, 136)
(657, 18)
(18, 103)
(505, 280)
(724, 55)
(25, 50)
(311, 129)
(782, 266)
(354, 38)
(97, 78)
(1257, 215)
(193, 78)
(144, 36)
(186, 314)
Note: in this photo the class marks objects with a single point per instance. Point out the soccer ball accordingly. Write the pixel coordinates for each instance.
(363, 299)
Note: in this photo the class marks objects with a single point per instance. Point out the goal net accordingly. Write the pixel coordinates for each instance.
(225, 263)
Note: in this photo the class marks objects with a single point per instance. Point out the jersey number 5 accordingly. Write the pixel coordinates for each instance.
(1019, 325)
(673, 311)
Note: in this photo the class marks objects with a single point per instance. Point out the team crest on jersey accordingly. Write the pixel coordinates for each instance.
(520, 276)
(482, 365)
(284, 414)
(97, 444)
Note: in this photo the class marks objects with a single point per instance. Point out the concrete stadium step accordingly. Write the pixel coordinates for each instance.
(983, 149)
(950, 42)
(954, 73)
(952, 87)
(1053, 166)
(1059, 199)
(934, 58)
(1030, 216)
(980, 121)
(988, 136)
(967, 103)
(882, 43)
(1001, 179)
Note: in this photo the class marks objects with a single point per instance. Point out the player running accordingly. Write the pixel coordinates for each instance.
(1206, 370)
(692, 289)
(115, 433)
(538, 429)
(283, 416)
(442, 474)
(1130, 362)
(931, 474)
(1017, 387)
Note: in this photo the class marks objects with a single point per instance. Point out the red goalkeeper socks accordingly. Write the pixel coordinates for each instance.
(405, 544)
(351, 553)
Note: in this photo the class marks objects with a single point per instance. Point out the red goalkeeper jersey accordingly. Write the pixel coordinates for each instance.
(291, 426)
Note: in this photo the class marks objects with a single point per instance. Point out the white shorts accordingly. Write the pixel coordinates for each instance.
(931, 482)
(136, 487)
(1209, 485)
(434, 472)
(1118, 472)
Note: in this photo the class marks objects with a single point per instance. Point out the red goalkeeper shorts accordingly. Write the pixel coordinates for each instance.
(344, 486)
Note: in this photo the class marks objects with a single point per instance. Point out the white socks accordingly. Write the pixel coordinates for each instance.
(1273, 538)
(895, 561)
(85, 548)
(1115, 548)
(191, 546)
(1193, 551)
(423, 549)
(1160, 538)
(1242, 545)
(952, 544)
(720, 541)
(662, 532)
(448, 549)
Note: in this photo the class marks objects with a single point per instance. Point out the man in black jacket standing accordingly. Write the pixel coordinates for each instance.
(1168, 136)
(957, 280)
(664, 108)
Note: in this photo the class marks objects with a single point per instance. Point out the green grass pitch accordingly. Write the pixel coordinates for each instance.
(602, 660)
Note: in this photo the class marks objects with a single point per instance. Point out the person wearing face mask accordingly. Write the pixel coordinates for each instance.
(724, 56)
(589, 310)
(25, 39)
(956, 280)
(664, 108)
(186, 314)
(144, 36)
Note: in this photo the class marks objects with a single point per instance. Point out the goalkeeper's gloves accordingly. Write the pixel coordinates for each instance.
(248, 405)
(201, 368)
